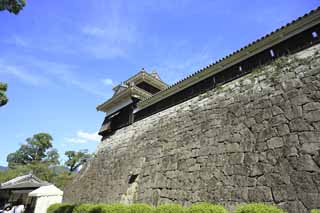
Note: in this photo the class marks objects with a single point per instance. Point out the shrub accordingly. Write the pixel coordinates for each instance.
(258, 208)
(86, 208)
(96, 209)
(206, 208)
(315, 211)
(113, 208)
(52, 208)
(169, 208)
(140, 208)
(60, 208)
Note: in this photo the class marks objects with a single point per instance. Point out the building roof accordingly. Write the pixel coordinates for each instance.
(129, 89)
(152, 78)
(50, 190)
(291, 29)
(25, 181)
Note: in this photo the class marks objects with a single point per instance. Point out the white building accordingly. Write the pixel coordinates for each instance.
(46, 196)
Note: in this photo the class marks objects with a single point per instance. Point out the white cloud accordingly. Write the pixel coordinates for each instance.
(89, 136)
(180, 61)
(93, 31)
(108, 35)
(76, 140)
(108, 40)
(111, 32)
(21, 73)
(87, 86)
(17, 40)
(38, 72)
(105, 34)
(83, 137)
(108, 82)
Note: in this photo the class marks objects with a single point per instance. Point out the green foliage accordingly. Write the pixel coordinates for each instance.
(40, 169)
(258, 208)
(103, 208)
(87, 208)
(53, 157)
(140, 208)
(206, 208)
(61, 179)
(114, 208)
(76, 159)
(170, 208)
(38, 144)
(100, 208)
(13, 6)
(12, 173)
(96, 209)
(39, 158)
(315, 211)
(3, 97)
(37, 149)
(60, 208)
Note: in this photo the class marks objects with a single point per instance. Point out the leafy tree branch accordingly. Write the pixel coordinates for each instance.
(3, 97)
(13, 6)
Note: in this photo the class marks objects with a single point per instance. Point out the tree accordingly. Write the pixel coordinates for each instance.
(61, 179)
(13, 6)
(53, 157)
(76, 159)
(41, 170)
(37, 149)
(38, 157)
(12, 173)
(3, 97)
(38, 144)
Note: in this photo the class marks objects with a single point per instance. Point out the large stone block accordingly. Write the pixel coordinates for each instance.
(255, 139)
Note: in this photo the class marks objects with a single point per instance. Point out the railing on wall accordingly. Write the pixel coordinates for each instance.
(289, 46)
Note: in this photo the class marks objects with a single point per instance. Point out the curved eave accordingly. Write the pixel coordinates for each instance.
(302, 23)
(147, 77)
(130, 92)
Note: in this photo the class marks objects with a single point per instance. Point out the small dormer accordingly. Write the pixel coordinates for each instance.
(119, 108)
(149, 82)
(119, 88)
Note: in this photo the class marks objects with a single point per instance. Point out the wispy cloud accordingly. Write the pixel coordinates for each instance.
(178, 68)
(83, 137)
(105, 35)
(181, 60)
(108, 82)
(108, 40)
(93, 31)
(21, 73)
(76, 140)
(109, 34)
(114, 37)
(17, 40)
(38, 72)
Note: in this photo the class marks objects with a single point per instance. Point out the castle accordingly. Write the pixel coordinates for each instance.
(243, 129)
(120, 108)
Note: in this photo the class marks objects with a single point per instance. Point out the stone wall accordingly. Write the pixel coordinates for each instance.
(254, 139)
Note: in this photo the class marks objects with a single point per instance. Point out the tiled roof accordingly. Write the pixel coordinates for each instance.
(25, 181)
(151, 78)
(300, 24)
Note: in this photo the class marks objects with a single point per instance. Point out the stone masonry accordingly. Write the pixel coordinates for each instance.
(255, 139)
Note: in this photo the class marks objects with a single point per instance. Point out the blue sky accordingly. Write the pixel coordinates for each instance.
(62, 58)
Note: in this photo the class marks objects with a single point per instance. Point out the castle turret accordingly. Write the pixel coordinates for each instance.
(120, 107)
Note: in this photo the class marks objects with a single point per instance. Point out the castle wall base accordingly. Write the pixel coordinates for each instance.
(255, 139)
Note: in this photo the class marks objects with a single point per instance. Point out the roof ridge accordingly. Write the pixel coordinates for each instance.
(231, 54)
